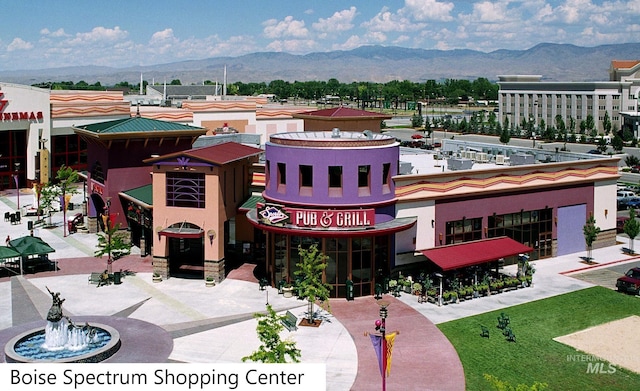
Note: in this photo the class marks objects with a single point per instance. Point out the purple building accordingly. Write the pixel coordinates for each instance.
(334, 189)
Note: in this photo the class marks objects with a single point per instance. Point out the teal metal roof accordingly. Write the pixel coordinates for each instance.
(142, 194)
(137, 125)
(251, 203)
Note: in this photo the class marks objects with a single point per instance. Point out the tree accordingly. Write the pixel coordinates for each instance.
(631, 227)
(48, 194)
(505, 136)
(416, 121)
(311, 287)
(617, 143)
(591, 231)
(273, 349)
(112, 243)
(631, 160)
(602, 145)
(66, 177)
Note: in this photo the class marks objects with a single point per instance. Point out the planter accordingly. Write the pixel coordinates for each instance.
(209, 283)
(287, 291)
(157, 278)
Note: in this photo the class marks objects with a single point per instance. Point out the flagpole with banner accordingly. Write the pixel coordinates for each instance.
(383, 344)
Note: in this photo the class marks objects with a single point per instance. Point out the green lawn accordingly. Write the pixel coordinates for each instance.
(536, 356)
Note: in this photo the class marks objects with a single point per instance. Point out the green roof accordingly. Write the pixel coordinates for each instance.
(136, 125)
(142, 194)
(251, 202)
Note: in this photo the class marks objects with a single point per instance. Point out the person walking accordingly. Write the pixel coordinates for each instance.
(7, 241)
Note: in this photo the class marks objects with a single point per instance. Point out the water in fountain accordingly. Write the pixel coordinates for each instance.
(65, 335)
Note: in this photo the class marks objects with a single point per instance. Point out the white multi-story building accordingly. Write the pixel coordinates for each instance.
(528, 97)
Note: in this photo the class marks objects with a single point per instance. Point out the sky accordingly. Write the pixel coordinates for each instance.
(37, 34)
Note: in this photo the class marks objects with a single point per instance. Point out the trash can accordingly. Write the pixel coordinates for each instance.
(117, 278)
(349, 290)
(71, 226)
(70, 206)
(29, 225)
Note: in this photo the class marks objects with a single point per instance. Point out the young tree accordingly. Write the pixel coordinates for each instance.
(505, 136)
(273, 350)
(48, 194)
(591, 231)
(631, 227)
(311, 287)
(66, 177)
(112, 243)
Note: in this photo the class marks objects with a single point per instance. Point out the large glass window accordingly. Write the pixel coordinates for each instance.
(69, 150)
(186, 190)
(464, 230)
(386, 178)
(532, 228)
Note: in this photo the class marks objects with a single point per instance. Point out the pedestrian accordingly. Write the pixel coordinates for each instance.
(7, 241)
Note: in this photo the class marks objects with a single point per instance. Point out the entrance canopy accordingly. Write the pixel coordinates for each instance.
(457, 256)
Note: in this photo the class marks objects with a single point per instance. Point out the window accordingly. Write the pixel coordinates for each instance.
(306, 180)
(267, 174)
(96, 173)
(335, 181)
(464, 230)
(386, 178)
(185, 190)
(363, 181)
(282, 178)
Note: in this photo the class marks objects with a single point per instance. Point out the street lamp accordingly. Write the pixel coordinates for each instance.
(381, 326)
(107, 229)
(16, 179)
(439, 295)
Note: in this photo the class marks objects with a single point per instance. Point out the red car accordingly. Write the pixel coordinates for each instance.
(630, 282)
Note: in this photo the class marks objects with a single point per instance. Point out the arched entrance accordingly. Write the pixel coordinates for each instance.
(186, 250)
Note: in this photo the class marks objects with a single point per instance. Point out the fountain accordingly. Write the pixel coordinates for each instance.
(62, 340)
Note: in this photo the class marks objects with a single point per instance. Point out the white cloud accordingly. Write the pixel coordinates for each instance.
(99, 34)
(487, 11)
(387, 21)
(423, 10)
(288, 27)
(352, 42)
(54, 34)
(339, 21)
(19, 44)
(292, 45)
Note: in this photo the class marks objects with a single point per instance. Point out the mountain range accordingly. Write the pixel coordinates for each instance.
(555, 62)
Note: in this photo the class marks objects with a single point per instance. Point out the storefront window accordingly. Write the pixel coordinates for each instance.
(531, 228)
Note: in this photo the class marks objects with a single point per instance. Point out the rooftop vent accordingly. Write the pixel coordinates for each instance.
(368, 134)
(335, 133)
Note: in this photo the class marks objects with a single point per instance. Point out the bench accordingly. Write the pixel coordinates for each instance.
(484, 332)
(290, 321)
(628, 251)
(95, 278)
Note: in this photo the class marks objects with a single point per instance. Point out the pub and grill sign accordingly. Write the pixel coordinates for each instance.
(316, 218)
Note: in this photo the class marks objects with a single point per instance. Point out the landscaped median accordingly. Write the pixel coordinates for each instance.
(536, 357)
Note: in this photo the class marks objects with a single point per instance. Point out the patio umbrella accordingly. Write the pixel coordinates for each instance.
(30, 245)
(417, 136)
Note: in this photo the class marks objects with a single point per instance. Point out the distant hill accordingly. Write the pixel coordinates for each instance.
(555, 62)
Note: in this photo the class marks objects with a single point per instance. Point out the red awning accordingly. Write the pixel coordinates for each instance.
(457, 256)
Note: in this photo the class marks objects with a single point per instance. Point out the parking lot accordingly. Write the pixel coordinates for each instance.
(606, 277)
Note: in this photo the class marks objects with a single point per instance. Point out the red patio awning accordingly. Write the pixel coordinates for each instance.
(461, 255)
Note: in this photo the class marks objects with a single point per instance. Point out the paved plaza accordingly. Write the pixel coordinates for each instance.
(199, 324)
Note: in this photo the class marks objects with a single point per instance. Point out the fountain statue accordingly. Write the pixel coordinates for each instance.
(62, 340)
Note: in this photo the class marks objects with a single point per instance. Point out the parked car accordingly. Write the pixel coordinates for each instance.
(630, 282)
(620, 224)
(633, 202)
(595, 152)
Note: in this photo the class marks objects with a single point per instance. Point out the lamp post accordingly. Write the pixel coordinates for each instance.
(439, 295)
(16, 179)
(381, 326)
(106, 219)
